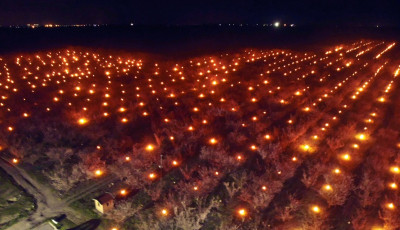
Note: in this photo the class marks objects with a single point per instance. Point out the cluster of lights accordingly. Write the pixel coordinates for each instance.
(171, 86)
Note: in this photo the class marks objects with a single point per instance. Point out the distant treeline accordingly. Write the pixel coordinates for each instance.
(179, 41)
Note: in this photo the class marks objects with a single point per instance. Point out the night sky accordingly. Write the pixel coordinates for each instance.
(363, 13)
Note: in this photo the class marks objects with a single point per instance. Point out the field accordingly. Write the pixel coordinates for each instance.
(251, 139)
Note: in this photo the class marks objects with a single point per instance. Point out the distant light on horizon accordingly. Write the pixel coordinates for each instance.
(277, 24)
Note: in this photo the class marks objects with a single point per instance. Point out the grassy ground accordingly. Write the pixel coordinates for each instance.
(85, 207)
(14, 202)
(38, 175)
(67, 224)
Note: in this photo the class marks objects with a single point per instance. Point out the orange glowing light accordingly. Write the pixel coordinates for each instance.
(149, 147)
(242, 212)
(82, 121)
(346, 157)
(213, 141)
(361, 137)
(152, 176)
(377, 228)
(123, 192)
(337, 171)
(315, 209)
(393, 185)
(15, 160)
(164, 212)
(395, 169)
(305, 147)
(98, 172)
(327, 187)
(390, 206)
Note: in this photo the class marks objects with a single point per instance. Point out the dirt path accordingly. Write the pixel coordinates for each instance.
(48, 205)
